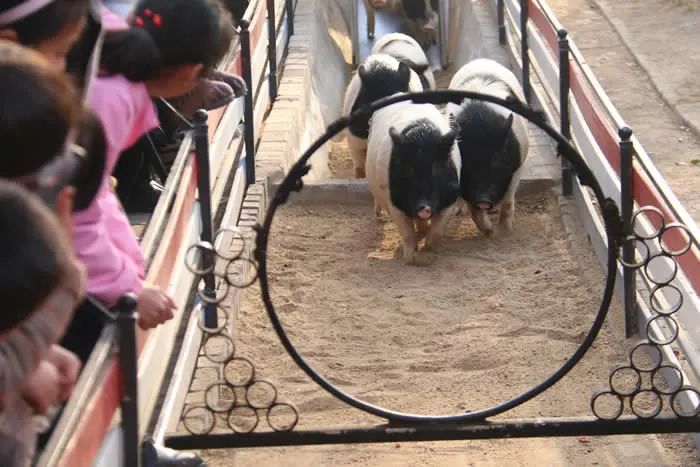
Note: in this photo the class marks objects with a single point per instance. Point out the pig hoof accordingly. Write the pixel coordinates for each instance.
(370, 35)
(359, 172)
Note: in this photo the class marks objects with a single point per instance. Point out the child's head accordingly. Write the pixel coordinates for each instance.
(34, 253)
(39, 110)
(50, 27)
(170, 44)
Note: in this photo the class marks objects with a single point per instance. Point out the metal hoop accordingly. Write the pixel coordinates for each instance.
(293, 182)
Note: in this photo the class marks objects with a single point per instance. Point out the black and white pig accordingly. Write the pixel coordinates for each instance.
(413, 171)
(493, 142)
(421, 17)
(405, 48)
(379, 76)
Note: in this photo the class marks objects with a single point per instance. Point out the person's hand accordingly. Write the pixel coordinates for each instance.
(154, 307)
(43, 387)
(68, 366)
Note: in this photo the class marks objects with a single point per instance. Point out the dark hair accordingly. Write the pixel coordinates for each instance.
(88, 179)
(32, 253)
(47, 22)
(38, 106)
(186, 32)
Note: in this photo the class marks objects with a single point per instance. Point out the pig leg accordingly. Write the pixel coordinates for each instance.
(462, 208)
(358, 151)
(437, 227)
(408, 235)
(369, 9)
(481, 219)
(505, 219)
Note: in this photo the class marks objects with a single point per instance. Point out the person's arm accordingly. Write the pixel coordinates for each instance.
(23, 347)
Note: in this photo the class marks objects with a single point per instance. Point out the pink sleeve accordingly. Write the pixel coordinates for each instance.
(102, 235)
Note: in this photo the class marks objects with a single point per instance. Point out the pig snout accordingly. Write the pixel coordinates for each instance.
(485, 205)
(424, 212)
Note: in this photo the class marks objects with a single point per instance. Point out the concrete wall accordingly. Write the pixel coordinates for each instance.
(314, 77)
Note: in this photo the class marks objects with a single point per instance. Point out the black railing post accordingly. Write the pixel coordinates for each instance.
(501, 22)
(272, 47)
(201, 152)
(628, 246)
(126, 324)
(290, 17)
(524, 48)
(564, 119)
(248, 115)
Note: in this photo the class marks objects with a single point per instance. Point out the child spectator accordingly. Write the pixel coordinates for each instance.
(41, 282)
(50, 27)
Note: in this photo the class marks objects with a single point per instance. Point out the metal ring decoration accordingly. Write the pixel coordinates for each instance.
(239, 375)
(245, 382)
(646, 210)
(670, 323)
(192, 263)
(620, 372)
(680, 251)
(636, 401)
(293, 182)
(659, 387)
(653, 300)
(218, 296)
(677, 410)
(619, 402)
(227, 341)
(220, 387)
(205, 413)
(665, 280)
(644, 257)
(638, 350)
(276, 408)
(234, 415)
(237, 236)
(246, 282)
(261, 384)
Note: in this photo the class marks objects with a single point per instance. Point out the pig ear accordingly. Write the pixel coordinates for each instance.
(396, 137)
(448, 139)
(404, 73)
(362, 72)
(507, 125)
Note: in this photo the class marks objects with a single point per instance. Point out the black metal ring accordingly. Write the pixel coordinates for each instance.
(200, 246)
(248, 282)
(680, 251)
(231, 418)
(674, 308)
(206, 412)
(215, 386)
(227, 356)
(657, 407)
(218, 296)
(666, 340)
(652, 278)
(619, 370)
(646, 210)
(237, 235)
(261, 382)
(674, 398)
(640, 348)
(222, 321)
(293, 182)
(618, 411)
(659, 371)
(637, 241)
(248, 381)
(270, 416)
